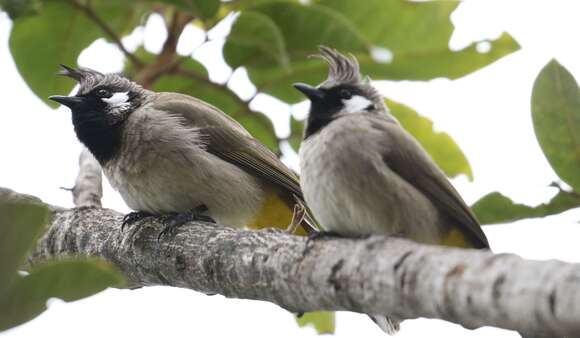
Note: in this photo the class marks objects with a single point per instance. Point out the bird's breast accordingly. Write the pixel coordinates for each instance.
(352, 191)
(163, 167)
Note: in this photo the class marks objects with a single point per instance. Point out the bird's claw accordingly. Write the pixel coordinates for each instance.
(321, 235)
(173, 221)
(315, 236)
(132, 218)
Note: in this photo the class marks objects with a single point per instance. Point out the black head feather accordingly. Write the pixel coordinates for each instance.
(99, 125)
(332, 98)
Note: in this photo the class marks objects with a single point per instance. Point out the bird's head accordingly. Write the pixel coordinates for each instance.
(344, 92)
(101, 105)
(111, 96)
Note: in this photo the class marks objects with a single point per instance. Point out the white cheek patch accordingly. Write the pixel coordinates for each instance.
(355, 104)
(117, 99)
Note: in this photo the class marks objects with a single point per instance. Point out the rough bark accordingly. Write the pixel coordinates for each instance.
(88, 189)
(377, 275)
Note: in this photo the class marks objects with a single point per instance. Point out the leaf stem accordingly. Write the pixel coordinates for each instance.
(572, 192)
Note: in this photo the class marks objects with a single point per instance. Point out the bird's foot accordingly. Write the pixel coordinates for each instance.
(133, 217)
(321, 235)
(174, 220)
(298, 215)
(316, 236)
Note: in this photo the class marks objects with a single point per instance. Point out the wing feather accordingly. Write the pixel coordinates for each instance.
(406, 157)
(228, 140)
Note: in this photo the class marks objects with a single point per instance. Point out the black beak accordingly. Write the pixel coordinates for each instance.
(312, 93)
(69, 101)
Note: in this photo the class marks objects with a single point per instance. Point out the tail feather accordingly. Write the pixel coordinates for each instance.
(389, 325)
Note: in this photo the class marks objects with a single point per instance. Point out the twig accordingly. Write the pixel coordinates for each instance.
(167, 60)
(90, 13)
(88, 188)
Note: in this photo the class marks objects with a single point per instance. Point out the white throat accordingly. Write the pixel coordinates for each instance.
(355, 104)
(117, 99)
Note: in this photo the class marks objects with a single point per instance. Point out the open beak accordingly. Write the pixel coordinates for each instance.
(69, 101)
(312, 93)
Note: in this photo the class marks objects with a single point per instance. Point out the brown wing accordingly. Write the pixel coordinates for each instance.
(405, 156)
(228, 140)
(248, 153)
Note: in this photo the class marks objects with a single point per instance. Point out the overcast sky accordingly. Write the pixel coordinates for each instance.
(487, 113)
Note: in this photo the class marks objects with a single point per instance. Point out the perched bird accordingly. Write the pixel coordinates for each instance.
(362, 173)
(174, 155)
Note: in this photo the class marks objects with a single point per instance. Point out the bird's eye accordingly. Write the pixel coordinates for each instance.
(345, 94)
(103, 93)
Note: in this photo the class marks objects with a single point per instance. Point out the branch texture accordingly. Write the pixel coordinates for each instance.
(377, 275)
(88, 188)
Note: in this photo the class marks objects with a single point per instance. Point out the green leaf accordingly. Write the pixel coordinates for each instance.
(497, 208)
(323, 322)
(19, 8)
(556, 118)
(142, 54)
(401, 26)
(445, 63)
(67, 279)
(22, 221)
(199, 87)
(416, 33)
(252, 32)
(302, 28)
(439, 63)
(444, 151)
(203, 9)
(57, 35)
(296, 133)
(21, 224)
(240, 5)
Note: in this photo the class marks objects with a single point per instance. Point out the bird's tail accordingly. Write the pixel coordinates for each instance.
(303, 216)
(389, 325)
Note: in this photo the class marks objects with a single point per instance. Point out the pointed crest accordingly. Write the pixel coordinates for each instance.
(89, 79)
(80, 74)
(341, 68)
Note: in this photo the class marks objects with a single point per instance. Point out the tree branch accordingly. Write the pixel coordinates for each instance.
(377, 275)
(90, 13)
(167, 60)
(88, 188)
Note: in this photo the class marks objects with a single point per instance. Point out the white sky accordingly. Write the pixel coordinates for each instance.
(487, 113)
